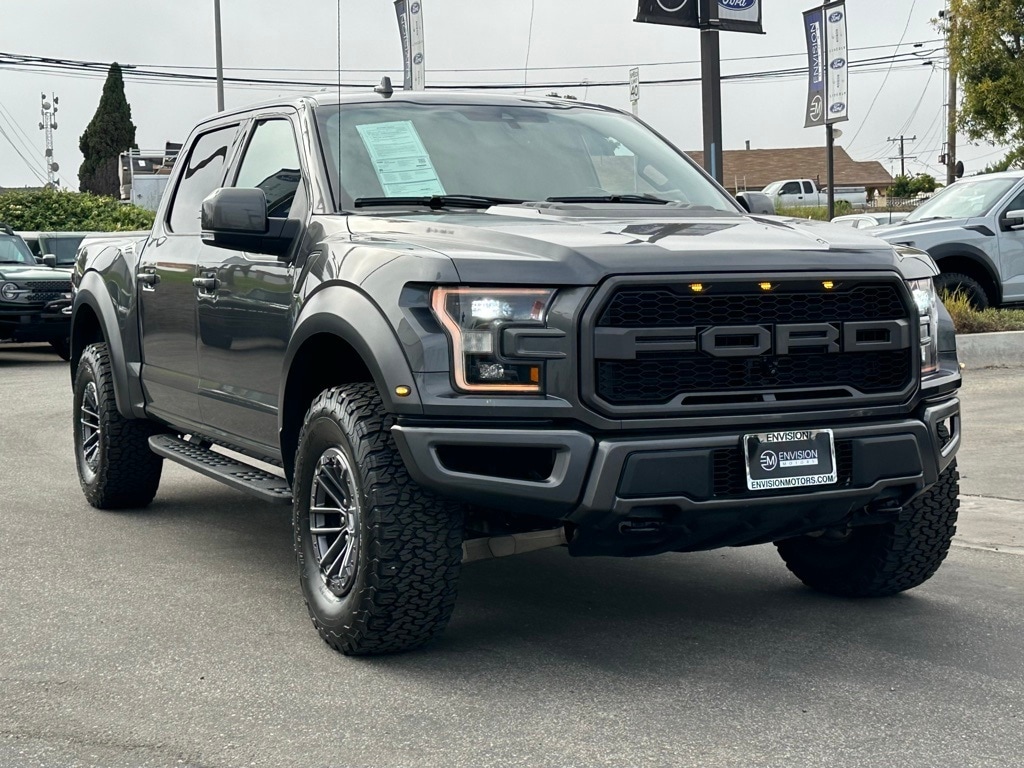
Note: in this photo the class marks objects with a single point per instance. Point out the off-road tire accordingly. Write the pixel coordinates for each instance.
(881, 560)
(950, 283)
(124, 472)
(409, 542)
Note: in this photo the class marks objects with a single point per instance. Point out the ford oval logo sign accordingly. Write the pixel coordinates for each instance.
(835, 17)
(836, 108)
(838, 63)
(736, 5)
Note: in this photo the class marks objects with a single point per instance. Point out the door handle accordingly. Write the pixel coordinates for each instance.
(205, 283)
(148, 280)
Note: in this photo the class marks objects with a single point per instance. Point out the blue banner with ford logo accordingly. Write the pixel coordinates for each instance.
(827, 65)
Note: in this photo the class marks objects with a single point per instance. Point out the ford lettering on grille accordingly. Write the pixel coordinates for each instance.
(754, 340)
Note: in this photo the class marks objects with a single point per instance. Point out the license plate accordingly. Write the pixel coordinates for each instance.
(789, 459)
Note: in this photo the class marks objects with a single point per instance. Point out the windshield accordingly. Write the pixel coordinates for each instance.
(963, 199)
(64, 247)
(14, 251)
(513, 153)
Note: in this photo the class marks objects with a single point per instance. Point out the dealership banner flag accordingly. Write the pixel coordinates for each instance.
(836, 88)
(827, 65)
(410, 28)
(740, 16)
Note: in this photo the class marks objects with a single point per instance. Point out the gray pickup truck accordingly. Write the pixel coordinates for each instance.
(446, 327)
(974, 229)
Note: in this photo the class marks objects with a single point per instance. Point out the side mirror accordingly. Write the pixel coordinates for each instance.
(1012, 219)
(236, 219)
(50, 260)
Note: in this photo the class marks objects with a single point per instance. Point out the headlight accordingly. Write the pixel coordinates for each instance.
(11, 291)
(926, 300)
(474, 319)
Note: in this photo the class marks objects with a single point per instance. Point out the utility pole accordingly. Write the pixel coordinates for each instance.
(711, 88)
(220, 56)
(902, 156)
(49, 125)
(950, 100)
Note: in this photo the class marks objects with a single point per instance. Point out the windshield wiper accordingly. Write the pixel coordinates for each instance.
(926, 218)
(435, 202)
(644, 198)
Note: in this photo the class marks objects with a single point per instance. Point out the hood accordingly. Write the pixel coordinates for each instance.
(29, 272)
(901, 231)
(563, 244)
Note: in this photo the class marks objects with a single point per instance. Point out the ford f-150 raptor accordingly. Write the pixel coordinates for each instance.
(462, 326)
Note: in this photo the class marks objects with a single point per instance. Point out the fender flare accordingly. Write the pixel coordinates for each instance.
(92, 293)
(350, 315)
(968, 251)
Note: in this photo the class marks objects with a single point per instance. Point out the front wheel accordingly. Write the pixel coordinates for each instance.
(881, 560)
(115, 466)
(378, 556)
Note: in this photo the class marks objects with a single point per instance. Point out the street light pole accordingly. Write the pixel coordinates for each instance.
(220, 57)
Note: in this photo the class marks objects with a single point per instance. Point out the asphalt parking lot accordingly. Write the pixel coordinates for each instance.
(177, 636)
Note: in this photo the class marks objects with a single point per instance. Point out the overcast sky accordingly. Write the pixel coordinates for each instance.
(579, 42)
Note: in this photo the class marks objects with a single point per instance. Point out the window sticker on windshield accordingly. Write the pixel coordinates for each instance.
(401, 161)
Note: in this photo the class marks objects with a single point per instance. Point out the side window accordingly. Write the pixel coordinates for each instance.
(271, 163)
(202, 174)
(808, 188)
(1017, 203)
(790, 188)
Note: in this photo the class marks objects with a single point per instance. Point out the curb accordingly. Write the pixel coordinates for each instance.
(1002, 349)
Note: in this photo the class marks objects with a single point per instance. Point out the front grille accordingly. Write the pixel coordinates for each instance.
(660, 376)
(730, 475)
(48, 290)
(669, 306)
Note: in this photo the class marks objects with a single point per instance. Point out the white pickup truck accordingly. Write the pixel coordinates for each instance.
(799, 193)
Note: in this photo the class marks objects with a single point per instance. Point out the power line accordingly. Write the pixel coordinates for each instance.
(99, 69)
(29, 165)
(886, 78)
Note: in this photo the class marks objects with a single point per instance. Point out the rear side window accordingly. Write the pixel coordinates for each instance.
(808, 189)
(203, 172)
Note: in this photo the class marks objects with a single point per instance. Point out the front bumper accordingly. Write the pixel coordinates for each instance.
(36, 324)
(647, 494)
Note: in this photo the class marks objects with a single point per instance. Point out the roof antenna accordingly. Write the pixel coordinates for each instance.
(384, 89)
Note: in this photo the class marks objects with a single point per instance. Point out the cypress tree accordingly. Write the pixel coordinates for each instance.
(109, 133)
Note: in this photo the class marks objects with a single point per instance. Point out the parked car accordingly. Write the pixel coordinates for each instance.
(974, 229)
(35, 300)
(870, 220)
(803, 193)
(62, 245)
(460, 335)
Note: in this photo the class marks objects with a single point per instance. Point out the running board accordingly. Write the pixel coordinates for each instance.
(242, 477)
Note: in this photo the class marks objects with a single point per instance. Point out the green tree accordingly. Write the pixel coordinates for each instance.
(986, 48)
(109, 133)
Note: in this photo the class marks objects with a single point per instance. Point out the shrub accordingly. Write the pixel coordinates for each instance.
(58, 210)
(966, 319)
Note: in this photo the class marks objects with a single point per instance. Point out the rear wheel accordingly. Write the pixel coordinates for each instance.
(881, 560)
(378, 556)
(115, 466)
(950, 283)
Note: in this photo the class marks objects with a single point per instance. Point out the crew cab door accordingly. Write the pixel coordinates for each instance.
(244, 308)
(1011, 251)
(167, 296)
(791, 193)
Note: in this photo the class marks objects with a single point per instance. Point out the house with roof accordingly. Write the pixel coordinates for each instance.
(753, 169)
